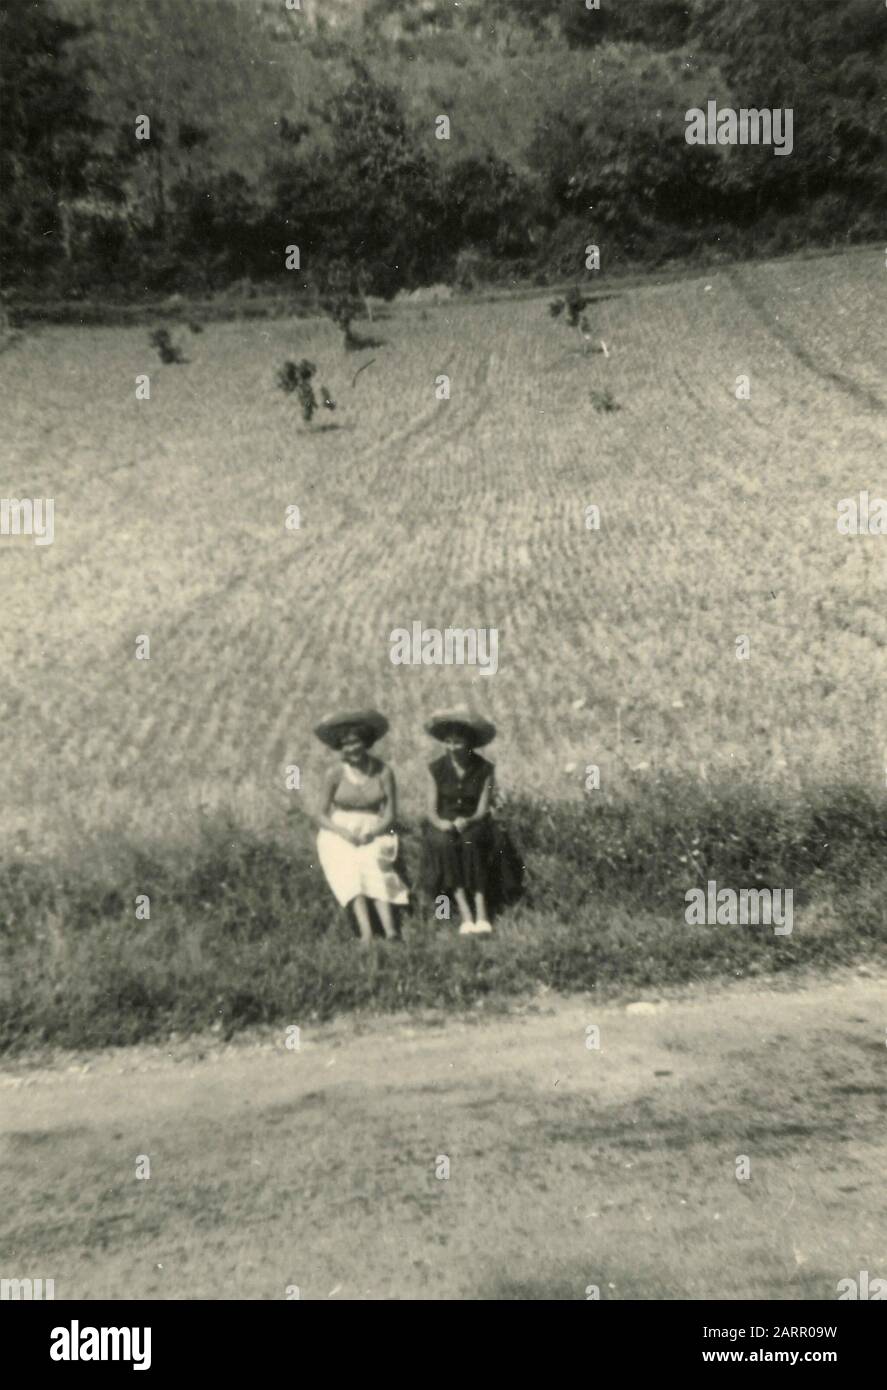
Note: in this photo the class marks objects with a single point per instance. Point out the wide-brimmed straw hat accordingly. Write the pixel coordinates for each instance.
(478, 730)
(333, 727)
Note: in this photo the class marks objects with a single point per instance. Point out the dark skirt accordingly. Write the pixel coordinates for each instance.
(481, 859)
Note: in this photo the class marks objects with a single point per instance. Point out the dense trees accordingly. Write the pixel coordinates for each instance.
(660, 24)
(568, 126)
(366, 197)
(49, 137)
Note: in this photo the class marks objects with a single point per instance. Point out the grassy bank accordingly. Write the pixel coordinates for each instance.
(243, 930)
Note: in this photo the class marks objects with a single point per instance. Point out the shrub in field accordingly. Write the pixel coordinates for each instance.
(340, 305)
(344, 299)
(468, 269)
(604, 400)
(296, 377)
(574, 302)
(573, 306)
(169, 352)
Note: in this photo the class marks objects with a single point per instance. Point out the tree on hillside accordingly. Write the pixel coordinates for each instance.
(823, 62)
(660, 24)
(509, 17)
(367, 199)
(204, 65)
(214, 229)
(48, 150)
(485, 206)
(768, 37)
(620, 166)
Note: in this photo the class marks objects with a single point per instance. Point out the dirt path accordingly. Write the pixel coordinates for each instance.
(568, 1166)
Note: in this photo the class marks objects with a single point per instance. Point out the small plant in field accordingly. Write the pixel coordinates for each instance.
(342, 308)
(344, 298)
(604, 400)
(575, 304)
(296, 377)
(169, 352)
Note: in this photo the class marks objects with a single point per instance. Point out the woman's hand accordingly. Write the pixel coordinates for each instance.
(460, 824)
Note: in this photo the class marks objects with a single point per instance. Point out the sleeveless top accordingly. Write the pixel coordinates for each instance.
(458, 796)
(358, 791)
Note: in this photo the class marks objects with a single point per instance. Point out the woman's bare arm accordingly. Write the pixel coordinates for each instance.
(388, 811)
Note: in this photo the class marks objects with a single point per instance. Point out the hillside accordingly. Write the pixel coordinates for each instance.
(324, 127)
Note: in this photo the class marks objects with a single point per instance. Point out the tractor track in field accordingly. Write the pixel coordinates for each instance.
(465, 510)
(315, 553)
(863, 395)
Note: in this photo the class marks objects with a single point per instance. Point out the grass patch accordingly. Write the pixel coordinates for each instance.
(243, 929)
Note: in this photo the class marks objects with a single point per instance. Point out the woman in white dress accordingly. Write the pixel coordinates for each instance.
(356, 842)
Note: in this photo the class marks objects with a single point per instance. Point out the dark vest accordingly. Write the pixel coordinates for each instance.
(458, 796)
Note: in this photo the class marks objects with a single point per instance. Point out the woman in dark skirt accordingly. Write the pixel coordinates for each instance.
(466, 857)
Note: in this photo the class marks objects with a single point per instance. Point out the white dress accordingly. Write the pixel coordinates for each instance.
(360, 870)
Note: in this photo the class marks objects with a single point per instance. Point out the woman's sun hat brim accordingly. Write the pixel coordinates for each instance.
(479, 730)
(332, 727)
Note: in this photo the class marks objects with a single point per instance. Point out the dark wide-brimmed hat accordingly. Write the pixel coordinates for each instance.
(370, 724)
(479, 731)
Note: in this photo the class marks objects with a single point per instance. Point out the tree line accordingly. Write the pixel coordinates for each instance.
(357, 177)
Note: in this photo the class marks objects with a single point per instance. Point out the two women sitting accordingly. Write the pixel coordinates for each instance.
(466, 858)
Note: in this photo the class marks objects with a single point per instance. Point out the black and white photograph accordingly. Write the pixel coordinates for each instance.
(443, 560)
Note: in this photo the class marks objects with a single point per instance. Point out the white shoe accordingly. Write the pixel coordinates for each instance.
(467, 929)
(483, 927)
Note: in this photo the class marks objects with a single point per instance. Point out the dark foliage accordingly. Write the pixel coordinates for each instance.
(90, 211)
(574, 302)
(295, 378)
(169, 352)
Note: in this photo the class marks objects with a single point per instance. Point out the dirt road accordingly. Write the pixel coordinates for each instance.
(568, 1165)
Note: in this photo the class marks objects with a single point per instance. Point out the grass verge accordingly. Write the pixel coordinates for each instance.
(243, 929)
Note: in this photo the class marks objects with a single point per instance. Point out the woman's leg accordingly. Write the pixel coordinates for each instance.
(386, 917)
(463, 905)
(362, 913)
(479, 861)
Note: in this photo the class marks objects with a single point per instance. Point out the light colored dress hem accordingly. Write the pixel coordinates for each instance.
(360, 870)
